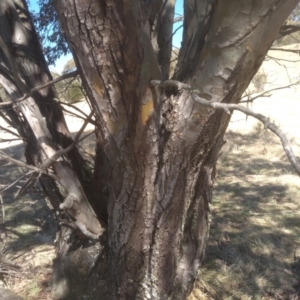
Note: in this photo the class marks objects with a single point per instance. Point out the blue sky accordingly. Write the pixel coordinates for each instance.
(33, 6)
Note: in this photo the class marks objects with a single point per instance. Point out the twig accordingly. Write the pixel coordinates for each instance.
(5, 118)
(42, 169)
(28, 184)
(15, 182)
(9, 140)
(285, 50)
(268, 91)
(267, 124)
(76, 140)
(10, 131)
(77, 115)
(174, 32)
(277, 58)
(34, 177)
(35, 89)
(30, 167)
(230, 107)
(178, 19)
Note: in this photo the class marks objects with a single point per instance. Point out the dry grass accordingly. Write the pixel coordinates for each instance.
(253, 250)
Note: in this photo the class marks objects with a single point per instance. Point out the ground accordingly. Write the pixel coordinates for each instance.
(253, 250)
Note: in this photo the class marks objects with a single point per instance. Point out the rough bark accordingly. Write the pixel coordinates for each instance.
(157, 148)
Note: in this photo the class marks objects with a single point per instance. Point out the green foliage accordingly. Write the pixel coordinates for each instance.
(48, 28)
(69, 90)
(69, 66)
(73, 92)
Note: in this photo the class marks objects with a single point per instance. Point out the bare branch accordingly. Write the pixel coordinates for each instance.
(5, 118)
(265, 93)
(174, 32)
(178, 19)
(76, 140)
(228, 108)
(285, 50)
(8, 140)
(15, 182)
(77, 109)
(32, 91)
(287, 30)
(42, 168)
(267, 57)
(10, 131)
(30, 167)
(77, 115)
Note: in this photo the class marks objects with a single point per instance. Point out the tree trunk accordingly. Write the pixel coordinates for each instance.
(156, 147)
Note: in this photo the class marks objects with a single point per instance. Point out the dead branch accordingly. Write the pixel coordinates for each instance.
(76, 140)
(287, 30)
(267, 57)
(42, 169)
(8, 140)
(180, 18)
(15, 182)
(28, 184)
(34, 177)
(30, 167)
(265, 93)
(285, 50)
(77, 115)
(40, 87)
(174, 32)
(5, 118)
(228, 108)
(10, 131)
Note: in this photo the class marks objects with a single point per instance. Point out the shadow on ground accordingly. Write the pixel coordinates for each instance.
(253, 250)
(28, 222)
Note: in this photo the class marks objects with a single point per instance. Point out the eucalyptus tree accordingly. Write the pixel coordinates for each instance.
(143, 215)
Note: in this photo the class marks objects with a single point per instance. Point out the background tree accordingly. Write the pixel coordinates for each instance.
(157, 139)
(70, 90)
